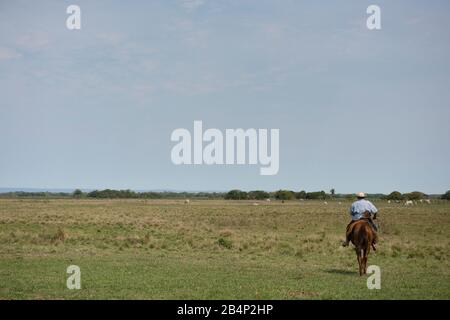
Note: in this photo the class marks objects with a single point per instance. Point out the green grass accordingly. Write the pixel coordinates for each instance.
(165, 249)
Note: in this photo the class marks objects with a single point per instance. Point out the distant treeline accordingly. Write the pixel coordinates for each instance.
(114, 194)
(322, 195)
(23, 194)
(231, 195)
(128, 194)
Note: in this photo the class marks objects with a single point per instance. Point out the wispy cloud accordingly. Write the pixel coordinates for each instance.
(111, 38)
(191, 5)
(150, 65)
(191, 33)
(33, 41)
(8, 54)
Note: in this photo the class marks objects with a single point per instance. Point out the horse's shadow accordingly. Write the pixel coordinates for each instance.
(341, 272)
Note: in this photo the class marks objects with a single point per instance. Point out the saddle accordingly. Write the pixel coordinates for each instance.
(368, 218)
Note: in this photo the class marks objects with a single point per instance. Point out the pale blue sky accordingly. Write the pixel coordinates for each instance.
(357, 109)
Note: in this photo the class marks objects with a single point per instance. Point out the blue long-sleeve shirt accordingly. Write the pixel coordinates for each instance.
(360, 206)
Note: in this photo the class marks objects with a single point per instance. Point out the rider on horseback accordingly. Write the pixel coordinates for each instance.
(361, 209)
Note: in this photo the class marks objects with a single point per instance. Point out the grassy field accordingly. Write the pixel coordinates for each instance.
(165, 249)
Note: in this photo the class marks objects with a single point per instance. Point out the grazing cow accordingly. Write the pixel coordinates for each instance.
(325, 203)
(428, 201)
(186, 201)
(255, 204)
(389, 201)
(268, 200)
(409, 203)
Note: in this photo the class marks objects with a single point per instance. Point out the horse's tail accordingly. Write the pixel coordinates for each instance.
(362, 237)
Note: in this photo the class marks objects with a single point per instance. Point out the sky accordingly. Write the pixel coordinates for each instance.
(357, 109)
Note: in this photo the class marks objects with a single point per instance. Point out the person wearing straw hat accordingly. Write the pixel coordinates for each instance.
(361, 209)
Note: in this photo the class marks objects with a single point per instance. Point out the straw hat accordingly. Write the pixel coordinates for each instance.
(361, 195)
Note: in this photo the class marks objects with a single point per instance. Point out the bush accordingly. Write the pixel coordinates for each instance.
(446, 196)
(113, 194)
(226, 243)
(415, 195)
(284, 195)
(349, 196)
(301, 195)
(236, 195)
(318, 195)
(258, 195)
(77, 193)
(395, 195)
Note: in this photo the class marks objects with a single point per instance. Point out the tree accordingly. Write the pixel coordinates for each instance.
(77, 193)
(301, 195)
(446, 196)
(317, 195)
(415, 195)
(258, 195)
(284, 195)
(395, 195)
(349, 196)
(332, 191)
(111, 194)
(236, 195)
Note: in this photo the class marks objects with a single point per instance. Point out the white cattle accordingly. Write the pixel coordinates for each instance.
(325, 202)
(268, 200)
(255, 204)
(409, 203)
(428, 201)
(186, 201)
(389, 201)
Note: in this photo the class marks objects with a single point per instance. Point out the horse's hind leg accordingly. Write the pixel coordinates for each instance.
(359, 257)
(365, 255)
(364, 259)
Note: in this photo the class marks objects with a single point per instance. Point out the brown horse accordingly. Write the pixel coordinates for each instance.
(362, 236)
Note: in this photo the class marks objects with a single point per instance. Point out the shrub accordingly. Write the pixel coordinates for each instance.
(395, 195)
(318, 195)
(415, 195)
(226, 243)
(301, 195)
(77, 193)
(284, 195)
(236, 195)
(258, 195)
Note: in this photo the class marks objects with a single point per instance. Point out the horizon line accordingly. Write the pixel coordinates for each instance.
(161, 190)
